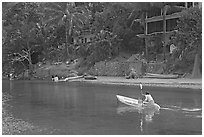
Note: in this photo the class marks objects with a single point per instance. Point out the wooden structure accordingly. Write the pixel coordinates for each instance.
(163, 23)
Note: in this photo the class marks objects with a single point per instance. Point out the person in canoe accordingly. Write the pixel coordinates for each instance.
(148, 98)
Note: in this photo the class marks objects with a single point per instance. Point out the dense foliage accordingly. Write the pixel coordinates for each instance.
(23, 34)
(70, 15)
(36, 32)
(189, 39)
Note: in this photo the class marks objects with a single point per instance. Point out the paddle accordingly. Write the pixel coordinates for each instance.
(140, 86)
(141, 90)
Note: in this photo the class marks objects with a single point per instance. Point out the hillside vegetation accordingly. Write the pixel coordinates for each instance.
(40, 41)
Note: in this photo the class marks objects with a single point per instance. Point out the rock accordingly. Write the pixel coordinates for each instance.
(156, 68)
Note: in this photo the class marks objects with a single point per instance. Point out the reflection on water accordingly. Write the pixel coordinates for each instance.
(146, 113)
(79, 108)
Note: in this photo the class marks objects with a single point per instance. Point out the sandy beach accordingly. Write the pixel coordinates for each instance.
(176, 83)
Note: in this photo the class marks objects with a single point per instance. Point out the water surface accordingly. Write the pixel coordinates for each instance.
(81, 108)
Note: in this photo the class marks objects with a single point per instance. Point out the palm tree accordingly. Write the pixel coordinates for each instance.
(142, 8)
(68, 14)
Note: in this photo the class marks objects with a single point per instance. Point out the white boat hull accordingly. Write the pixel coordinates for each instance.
(135, 102)
(70, 78)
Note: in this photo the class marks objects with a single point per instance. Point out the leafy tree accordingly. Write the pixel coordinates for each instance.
(189, 37)
(110, 18)
(22, 38)
(108, 27)
(139, 11)
(67, 14)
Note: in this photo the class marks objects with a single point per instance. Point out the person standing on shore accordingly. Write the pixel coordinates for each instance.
(56, 78)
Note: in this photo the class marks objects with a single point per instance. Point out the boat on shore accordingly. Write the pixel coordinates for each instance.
(161, 76)
(89, 77)
(71, 78)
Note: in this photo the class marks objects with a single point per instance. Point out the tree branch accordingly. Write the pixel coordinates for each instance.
(20, 57)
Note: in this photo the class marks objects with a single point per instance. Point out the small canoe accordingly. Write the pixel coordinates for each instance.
(161, 76)
(127, 100)
(135, 102)
(71, 78)
(90, 77)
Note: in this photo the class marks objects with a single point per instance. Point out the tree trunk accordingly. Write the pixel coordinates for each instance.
(68, 30)
(66, 44)
(30, 61)
(30, 65)
(164, 31)
(196, 68)
(146, 49)
(70, 34)
(145, 35)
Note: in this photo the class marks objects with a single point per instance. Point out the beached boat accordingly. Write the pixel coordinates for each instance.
(71, 78)
(135, 102)
(89, 77)
(161, 76)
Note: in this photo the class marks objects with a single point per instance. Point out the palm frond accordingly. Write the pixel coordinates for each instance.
(64, 5)
(80, 16)
(50, 14)
(53, 21)
(54, 5)
(48, 9)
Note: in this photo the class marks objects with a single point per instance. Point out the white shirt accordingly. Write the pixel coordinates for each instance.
(172, 48)
(55, 79)
(148, 98)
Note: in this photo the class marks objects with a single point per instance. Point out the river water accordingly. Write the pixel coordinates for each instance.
(69, 108)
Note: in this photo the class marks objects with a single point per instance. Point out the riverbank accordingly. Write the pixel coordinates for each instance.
(176, 83)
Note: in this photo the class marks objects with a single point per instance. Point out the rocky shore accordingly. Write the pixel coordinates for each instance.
(13, 126)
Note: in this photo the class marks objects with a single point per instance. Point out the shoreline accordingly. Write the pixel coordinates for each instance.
(171, 83)
(154, 82)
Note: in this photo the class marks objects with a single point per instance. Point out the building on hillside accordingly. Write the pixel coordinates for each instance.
(160, 23)
(85, 37)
